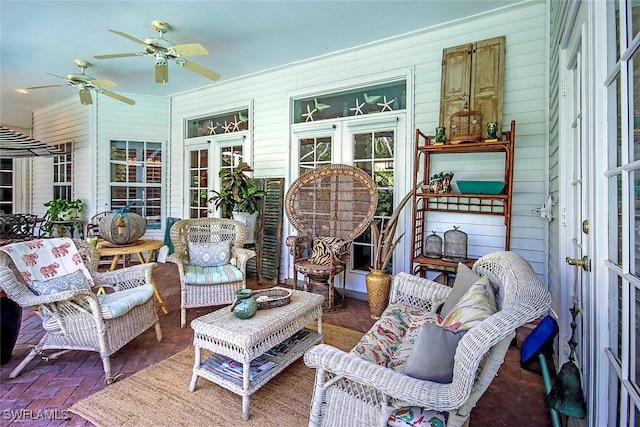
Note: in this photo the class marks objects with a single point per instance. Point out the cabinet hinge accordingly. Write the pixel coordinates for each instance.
(563, 87)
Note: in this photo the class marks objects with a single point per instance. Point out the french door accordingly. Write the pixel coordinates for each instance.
(204, 161)
(372, 145)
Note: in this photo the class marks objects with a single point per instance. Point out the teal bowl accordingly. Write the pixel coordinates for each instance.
(481, 187)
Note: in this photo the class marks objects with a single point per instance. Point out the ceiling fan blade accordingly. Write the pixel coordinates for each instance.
(191, 49)
(85, 97)
(162, 73)
(199, 69)
(104, 83)
(119, 55)
(127, 36)
(41, 87)
(118, 97)
(55, 75)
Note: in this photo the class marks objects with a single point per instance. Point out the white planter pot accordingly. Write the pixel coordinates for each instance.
(249, 220)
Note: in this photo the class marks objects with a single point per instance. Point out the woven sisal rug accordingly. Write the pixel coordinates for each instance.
(159, 395)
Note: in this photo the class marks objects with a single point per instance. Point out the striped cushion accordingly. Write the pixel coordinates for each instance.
(321, 253)
(118, 303)
(195, 275)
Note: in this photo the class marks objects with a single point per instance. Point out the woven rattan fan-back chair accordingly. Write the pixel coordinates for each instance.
(329, 206)
(205, 286)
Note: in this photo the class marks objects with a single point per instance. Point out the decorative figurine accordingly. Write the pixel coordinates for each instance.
(492, 131)
(440, 138)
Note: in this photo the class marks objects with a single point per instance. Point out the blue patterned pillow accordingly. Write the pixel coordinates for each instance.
(69, 282)
(210, 254)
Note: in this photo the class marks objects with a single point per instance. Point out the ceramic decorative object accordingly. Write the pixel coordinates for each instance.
(440, 137)
(378, 287)
(245, 305)
(439, 183)
(492, 131)
(122, 227)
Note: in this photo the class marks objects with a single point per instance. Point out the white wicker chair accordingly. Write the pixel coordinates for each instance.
(208, 230)
(75, 327)
(351, 391)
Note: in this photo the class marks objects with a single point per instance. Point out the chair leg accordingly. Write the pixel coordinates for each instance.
(158, 331)
(106, 363)
(183, 317)
(33, 353)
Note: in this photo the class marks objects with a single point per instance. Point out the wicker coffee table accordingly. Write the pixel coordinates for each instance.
(244, 340)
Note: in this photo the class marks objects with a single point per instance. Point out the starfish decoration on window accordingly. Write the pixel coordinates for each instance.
(386, 105)
(358, 108)
(309, 113)
(227, 127)
(212, 128)
(235, 126)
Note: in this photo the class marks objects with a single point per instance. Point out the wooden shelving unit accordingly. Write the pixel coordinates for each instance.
(480, 204)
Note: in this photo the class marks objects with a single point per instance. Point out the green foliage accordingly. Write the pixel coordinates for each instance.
(237, 191)
(60, 210)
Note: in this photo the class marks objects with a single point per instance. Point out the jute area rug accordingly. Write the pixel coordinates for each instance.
(159, 395)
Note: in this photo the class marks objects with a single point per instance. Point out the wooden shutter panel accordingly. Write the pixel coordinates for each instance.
(487, 81)
(456, 81)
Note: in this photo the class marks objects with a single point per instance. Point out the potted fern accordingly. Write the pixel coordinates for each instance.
(378, 281)
(239, 197)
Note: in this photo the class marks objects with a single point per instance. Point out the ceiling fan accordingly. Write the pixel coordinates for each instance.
(163, 50)
(86, 84)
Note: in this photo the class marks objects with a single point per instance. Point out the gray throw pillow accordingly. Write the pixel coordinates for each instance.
(210, 254)
(465, 278)
(432, 355)
(69, 282)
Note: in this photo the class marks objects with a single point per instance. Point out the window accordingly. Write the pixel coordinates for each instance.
(136, 179)
(63, 173)
(6, 186)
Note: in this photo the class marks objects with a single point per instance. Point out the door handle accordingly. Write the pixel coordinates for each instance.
(583, 262)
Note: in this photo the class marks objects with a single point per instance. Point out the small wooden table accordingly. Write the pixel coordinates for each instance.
(143, 245)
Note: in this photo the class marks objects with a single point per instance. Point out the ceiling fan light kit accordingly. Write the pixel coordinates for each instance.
(164, 50)
(85, 84)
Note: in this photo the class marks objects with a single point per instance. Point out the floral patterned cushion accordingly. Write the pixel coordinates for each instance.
(475, 306)
(209, 254)
(415, 416)
(321, 252)
(390, 341)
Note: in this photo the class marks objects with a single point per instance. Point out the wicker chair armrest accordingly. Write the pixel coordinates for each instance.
(177, 258)
(418, 291)
(341, 249)
(243, 256)
(37, 300)
(300, 247)
(125, 278)
(407, 390)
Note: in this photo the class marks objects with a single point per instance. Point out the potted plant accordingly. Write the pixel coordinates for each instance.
(378, 281)
(62, 210)
(239, 197)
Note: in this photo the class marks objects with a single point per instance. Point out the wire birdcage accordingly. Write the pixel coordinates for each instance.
(433, 246)
(466, 126)
(455, 245)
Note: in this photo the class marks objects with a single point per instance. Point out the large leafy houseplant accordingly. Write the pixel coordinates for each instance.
(237, 191)
(59, 210)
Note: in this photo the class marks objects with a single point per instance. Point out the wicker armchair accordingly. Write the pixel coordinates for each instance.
(76, 319)
(208, 286)
(351, 391)
(335, 203)
(92, 228)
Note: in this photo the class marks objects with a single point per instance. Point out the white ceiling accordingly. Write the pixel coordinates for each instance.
(243, 37)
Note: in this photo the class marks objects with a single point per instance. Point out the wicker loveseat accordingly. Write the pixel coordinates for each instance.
(351, 389)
